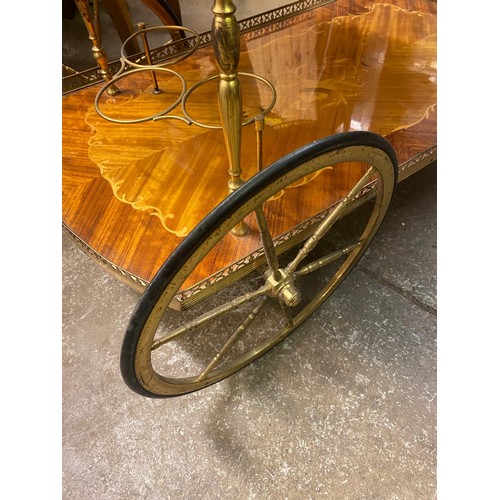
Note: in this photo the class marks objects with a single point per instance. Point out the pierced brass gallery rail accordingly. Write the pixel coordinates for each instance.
(254, 26)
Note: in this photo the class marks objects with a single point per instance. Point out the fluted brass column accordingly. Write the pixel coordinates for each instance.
(226, 43)
(97, 50)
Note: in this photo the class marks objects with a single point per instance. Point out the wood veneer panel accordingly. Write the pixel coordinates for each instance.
(131, 192)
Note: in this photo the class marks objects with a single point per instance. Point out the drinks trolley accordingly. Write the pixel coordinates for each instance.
(211, 172)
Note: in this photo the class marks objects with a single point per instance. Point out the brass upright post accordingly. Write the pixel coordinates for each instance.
(94, 37)
(226, 43)
(141, 26)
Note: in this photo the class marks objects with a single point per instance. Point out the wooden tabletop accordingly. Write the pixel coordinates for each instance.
(131, 192)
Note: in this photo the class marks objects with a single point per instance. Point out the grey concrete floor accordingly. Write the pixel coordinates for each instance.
(344, 408)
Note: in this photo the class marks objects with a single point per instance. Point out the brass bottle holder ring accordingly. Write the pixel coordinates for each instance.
(169, 62)
(184, 95)
(246, 122)
(122, 74)
(126, 63)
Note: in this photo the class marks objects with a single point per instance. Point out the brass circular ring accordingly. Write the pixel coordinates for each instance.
(206, 80)
(175, 60)
(139, 70)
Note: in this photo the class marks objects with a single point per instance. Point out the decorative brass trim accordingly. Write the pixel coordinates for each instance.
(126, 277)
(270, 22)
(281, 13)
(416, 163)
(251, 28)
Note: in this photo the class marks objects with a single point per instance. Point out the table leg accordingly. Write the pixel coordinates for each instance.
(97, 49)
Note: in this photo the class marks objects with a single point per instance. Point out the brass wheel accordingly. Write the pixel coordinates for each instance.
(292, 272)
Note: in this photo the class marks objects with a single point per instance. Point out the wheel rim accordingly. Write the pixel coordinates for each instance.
(151, 375)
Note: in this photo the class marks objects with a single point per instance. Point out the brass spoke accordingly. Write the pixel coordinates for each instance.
(328, 222)
(267, 242)
(327, 259)
(232, 339)
(210, 315)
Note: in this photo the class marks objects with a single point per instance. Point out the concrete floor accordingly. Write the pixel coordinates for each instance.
(344, 408)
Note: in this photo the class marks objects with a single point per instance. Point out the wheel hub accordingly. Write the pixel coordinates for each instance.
(283, 288)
